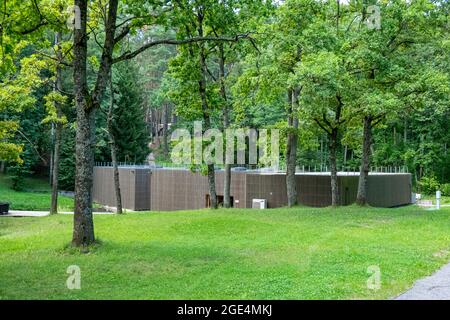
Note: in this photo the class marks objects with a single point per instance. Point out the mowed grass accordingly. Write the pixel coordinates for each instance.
(444, 199)
(300, 253)
(36, 196)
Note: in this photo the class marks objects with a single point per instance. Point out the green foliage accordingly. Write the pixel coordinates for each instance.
(15, 97)
(9, 151)
(445, 189)
(129, 127)
(51, 100)
(399, 73)
(66, 177)
(428, 185)
(19, 172)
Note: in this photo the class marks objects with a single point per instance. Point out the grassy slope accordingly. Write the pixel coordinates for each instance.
(36, 196)
(299, 253)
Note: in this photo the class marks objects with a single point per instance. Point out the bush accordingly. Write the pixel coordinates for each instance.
(428, 185)
(19, 172)
(445, 189)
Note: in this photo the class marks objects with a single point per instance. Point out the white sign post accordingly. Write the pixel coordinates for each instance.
(438, 200)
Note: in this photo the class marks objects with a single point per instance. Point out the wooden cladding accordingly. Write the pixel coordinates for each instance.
(180, 189)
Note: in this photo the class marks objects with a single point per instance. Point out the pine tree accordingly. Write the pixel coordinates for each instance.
(129, 126)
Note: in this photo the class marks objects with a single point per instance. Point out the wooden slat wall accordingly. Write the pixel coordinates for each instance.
(184, 190)
(134, 187)
(166, 189)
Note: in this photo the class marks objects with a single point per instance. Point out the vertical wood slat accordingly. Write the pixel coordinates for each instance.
(181, 189)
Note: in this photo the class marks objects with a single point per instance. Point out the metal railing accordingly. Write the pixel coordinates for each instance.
(299, 169)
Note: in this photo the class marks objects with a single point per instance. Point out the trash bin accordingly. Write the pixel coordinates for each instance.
(4, 208)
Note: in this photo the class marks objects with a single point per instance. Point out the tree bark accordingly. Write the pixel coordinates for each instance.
(291, 148)
(52, 135)
(113, 146)
(334, 179)
(321, 154)
(205, 108)
(83, 228)
(361, 198)
(86, 104)
(58, 129)
(227, 186)
(225, 111)
(333, 136)
(165, 129)
(345, 155)
(116, 176)
(55, 173)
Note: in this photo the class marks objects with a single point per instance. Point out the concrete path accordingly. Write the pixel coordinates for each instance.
(434, 287)
(17, 213)
(432, 205)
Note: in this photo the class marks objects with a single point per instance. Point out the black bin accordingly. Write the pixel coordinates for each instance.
(4, 208)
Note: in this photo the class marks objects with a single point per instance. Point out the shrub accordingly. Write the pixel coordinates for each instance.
(445, 189)
(428, 185)
(18, 177)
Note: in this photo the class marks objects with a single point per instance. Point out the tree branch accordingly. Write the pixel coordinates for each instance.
(54, 58)
(322, 126)
(130, 55)
(123, 33)
(42, 22)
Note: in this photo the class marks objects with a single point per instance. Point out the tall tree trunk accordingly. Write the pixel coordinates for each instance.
(58, 129)
(223, 93)
(394, 134)
(165, 129)
(361, 198)
(227, 186)
(334, 179)
(113, 146)
(333, 135)
(83, 231)
(116, 175)
(174, 119)
(205, 109)
(405, 131)
(291, 148)
(83, 228)
(52, 135)
(55, 173)
(321, 153)
(86, 104)
(345, 155)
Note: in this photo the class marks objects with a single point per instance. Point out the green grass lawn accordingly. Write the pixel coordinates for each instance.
(36, 196)
(299, 253)
(444, 199)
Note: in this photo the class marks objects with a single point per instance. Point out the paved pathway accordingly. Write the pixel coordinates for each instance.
(17, 213)
(432, 205)
(434, 287)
